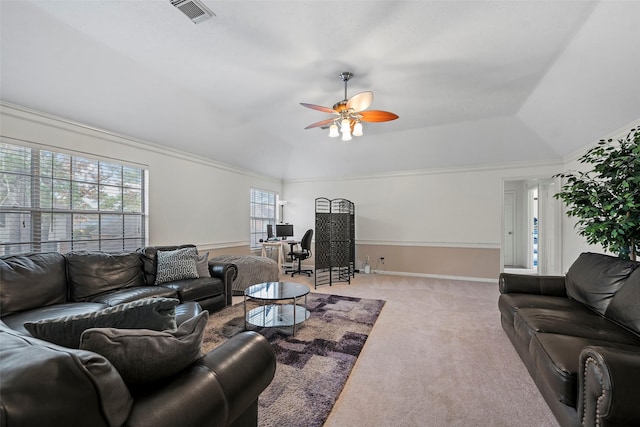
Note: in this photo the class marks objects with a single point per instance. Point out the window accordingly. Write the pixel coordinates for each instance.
(58, 202)
(263, 212)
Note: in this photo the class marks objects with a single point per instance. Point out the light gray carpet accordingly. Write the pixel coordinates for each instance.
(437, 356)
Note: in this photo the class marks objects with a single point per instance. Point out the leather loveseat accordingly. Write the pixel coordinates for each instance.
(40, 286)
(579, 337)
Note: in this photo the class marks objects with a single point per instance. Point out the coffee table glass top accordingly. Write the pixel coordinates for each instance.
(275, 291)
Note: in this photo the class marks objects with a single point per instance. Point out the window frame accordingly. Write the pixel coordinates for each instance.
(265, 203)
(112, 214)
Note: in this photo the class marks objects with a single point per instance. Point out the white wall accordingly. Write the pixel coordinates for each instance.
(441, 208)
(191, 200)
(448, 208)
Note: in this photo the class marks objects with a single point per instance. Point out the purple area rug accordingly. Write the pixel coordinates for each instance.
(313, 366)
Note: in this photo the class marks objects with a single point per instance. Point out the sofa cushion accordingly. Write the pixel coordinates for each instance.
(45, 384)
(122, 296)
(508, 304)
(16, 321)
(593, 279)
(578, 323)
(153, 313)
(625, 305)
(32, 280)
(176, 265)
(93, 273)
(196, 289)
(142, 356)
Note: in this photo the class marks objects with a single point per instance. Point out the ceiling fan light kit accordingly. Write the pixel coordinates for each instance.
(350, 113)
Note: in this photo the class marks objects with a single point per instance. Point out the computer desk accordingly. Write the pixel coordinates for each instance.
(278, 244)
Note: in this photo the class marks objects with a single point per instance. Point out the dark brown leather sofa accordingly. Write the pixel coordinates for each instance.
(579, 337)
(47, 384)
(40, 286)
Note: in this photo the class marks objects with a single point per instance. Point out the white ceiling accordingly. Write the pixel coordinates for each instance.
(474, 82)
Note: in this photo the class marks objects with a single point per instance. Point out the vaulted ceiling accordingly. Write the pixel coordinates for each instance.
(474, 82)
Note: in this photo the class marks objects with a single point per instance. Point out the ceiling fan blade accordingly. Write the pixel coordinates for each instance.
(360, 101)
(319, 108)
(377, 116)
(320, 123)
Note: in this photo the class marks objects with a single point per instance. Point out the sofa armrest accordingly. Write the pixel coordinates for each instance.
(226, 272)
(532, 284)
(245, 366)
(216, 390)
(609, 385)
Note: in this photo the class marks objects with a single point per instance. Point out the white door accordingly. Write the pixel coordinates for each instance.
(508, 239)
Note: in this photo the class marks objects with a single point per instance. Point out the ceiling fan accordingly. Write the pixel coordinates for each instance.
(350, 113)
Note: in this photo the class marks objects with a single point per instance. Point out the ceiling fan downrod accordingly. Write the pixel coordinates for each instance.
(345, 76)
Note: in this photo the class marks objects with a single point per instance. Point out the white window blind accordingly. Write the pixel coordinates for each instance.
(263, 212)
(59, 202)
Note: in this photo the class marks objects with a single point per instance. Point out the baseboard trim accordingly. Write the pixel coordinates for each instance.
(425, 275)
(436, 276)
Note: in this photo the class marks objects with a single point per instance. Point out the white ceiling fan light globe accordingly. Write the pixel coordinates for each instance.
(333, 131)
(357, 129)
(345, 126)
(346, 136)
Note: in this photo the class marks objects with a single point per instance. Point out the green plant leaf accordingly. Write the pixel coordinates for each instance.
(606, 199)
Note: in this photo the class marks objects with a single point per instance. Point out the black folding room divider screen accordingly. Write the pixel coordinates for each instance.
(335, 248)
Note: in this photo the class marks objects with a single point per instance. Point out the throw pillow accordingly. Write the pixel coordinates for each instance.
(142, 356)
(202, 264)
(151, 313)
(176, 265)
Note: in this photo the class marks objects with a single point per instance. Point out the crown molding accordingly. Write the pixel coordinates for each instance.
(619, 133)
(434, 171)
(34, 116)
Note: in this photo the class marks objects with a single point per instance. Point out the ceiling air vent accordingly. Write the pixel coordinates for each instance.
(194, 9)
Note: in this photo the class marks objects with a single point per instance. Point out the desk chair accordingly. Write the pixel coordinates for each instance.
(303, 254)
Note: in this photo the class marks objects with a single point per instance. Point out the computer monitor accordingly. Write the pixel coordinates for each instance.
(284, 230)
(270, 231)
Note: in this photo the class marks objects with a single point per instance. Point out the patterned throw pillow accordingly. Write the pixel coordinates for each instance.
(176, 265)
(150, 313)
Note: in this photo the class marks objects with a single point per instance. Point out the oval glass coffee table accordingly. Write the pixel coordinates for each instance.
(271, 314)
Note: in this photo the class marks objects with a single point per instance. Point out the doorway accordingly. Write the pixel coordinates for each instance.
(531, 227)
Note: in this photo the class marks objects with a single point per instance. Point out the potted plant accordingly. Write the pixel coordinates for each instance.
(606, 199)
